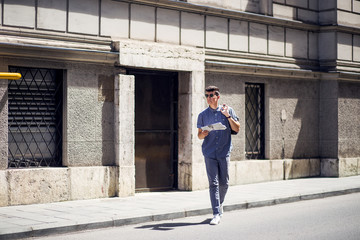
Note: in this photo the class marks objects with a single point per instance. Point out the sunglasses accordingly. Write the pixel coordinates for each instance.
(210, 95)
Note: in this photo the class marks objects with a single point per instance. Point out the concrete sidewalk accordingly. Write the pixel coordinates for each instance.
(52, 218)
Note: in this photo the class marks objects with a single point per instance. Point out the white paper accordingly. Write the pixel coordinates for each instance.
(215, 126)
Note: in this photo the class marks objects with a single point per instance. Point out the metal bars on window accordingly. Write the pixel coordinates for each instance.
(254, 118)
(35, 118)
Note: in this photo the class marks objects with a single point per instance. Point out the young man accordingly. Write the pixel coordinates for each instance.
(216, 147)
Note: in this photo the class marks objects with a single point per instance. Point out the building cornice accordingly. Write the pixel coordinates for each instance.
(94, 42)
(22, 50)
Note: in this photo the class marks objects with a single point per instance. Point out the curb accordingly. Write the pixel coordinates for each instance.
(40, 232)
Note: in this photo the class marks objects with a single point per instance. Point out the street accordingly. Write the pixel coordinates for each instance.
(330, 218)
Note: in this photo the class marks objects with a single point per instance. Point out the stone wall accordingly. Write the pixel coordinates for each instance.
(192, 26)
(44, 185)
(89, 117)
(296, 137)
(349, 120)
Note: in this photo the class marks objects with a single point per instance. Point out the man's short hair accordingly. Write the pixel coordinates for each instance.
(213, 88)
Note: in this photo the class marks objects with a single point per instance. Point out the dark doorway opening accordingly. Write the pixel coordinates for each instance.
(156, 130)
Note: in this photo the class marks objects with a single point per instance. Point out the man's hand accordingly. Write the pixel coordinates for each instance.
(234, 124)
(225, 110)
(202, 134)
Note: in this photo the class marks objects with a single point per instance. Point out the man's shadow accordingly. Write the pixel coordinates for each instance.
(171, 226)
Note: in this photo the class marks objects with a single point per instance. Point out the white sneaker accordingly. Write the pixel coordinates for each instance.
(221, 210)
(215, 220)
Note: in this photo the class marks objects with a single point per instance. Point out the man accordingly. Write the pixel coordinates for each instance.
(216, 147)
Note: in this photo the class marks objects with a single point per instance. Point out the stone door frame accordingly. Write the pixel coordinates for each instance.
(190, 64)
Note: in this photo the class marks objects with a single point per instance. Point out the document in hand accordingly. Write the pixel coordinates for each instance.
(215, 126)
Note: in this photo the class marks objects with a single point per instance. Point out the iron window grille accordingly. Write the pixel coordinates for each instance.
(254, 118)
(35, 118)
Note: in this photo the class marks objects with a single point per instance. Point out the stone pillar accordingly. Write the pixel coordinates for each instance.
(124, 127)
(3, 141)
(191, 168)
(3, 123)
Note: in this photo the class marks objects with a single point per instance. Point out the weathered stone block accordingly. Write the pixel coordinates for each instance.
(51, 14)
(327, 17)
(297, 3)
(124, 120)
(168, 26)
(276, 41)
(142, 22)
(348, 19)
(30, 186)
(192, 29)
(307, 16)
(356, 6)
(348, 167)
(3, 189)
(199, 176)
(313, 45)
(327, 48)
(258, 38)
(84, 16)
(126, 181)
(238, 36)
(345, 5)
(328, 4)
(329, 167)
(24, 11)
(276, 170)
(161, 56)
(250, 6)
(297, 168)
(233, 4)
(315, 167)
(184, 175)
(216, 32)
(344, 46)
(356, 50)
(314, 4)
(296, 43)
(282, 11)
(252, 171)
(91, 182)
(114, 19)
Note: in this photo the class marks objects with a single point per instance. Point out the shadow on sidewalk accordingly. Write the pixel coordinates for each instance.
(171, 226)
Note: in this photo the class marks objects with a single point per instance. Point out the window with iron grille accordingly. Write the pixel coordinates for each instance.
(35, 118)
(254, 118)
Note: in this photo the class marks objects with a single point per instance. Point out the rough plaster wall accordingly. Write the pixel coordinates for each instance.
(349, 119)
(297, 137)
(90, 116)
(328, 118)
(298, 102)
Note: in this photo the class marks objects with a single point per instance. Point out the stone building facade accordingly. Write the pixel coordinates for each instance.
(111, 91)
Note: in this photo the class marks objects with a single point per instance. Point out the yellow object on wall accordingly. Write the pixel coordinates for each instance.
(11, 76)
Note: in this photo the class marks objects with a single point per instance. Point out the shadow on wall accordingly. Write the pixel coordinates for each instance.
(295, 110)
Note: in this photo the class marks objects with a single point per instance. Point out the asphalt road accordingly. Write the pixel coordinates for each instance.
(330, 218)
